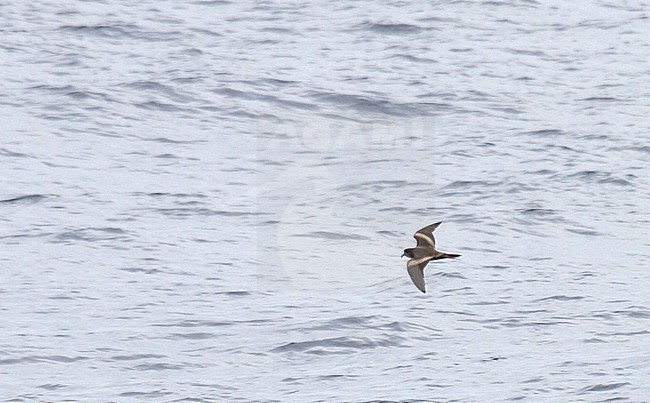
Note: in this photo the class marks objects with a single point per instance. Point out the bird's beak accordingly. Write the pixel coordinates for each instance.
(403, 255)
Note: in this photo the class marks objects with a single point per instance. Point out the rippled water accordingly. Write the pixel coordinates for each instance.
(207, 200)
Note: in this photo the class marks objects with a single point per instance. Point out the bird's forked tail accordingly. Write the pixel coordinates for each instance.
(447, 255)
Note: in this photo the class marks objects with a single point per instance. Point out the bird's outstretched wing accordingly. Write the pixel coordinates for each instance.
(424, 236)
(415, 267)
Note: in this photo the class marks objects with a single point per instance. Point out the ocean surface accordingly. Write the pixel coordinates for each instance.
(207, 201)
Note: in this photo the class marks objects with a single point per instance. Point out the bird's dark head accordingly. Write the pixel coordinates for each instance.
(408, 253)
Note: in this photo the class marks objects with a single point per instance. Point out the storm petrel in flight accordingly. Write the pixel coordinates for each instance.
(422, 254)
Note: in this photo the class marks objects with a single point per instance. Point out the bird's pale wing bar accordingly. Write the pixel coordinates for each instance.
(424, 237)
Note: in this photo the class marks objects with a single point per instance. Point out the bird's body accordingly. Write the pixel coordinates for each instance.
(422, 254)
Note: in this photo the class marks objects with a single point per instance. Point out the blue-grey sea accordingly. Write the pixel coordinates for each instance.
(207, 200)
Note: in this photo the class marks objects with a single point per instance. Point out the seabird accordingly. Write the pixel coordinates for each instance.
(422, 254)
